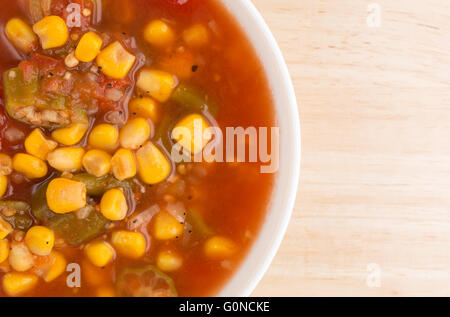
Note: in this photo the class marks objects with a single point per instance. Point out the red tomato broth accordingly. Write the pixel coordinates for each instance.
(231, 197)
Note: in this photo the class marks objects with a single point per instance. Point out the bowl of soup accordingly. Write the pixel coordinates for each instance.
(148, 148)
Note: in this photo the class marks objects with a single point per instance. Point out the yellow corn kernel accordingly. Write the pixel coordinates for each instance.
(113, 205)
(153, 166)
(21, 35)
(129, 244)
(5, 164)
(52, 31)
(115, 61)
(159, 33)
(192, 133)
(17, 284)
(97, 162)
(166, 226)
(70, 135)
(4, 250)
(5, 228)
(196, 36)
(169, 261)
(30, 166)
(100, 253)
(106, 291)
(156, 83)
(88, 47)
(219, 247)
(134, 133)
(65, 195)
(3, 185)
(20, 258)
(55, 266)
(38, 145)
(40, 240)
(144, 107)
(123, 164)
(67, 159)
(104, 137)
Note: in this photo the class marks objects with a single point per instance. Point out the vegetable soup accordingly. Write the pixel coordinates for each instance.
(92, 201)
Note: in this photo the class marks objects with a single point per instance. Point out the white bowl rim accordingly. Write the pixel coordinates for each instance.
(264, 249)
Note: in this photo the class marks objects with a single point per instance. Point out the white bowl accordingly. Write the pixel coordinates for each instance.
(279, 211)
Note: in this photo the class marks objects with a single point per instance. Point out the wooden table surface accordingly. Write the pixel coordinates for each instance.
(372, 215)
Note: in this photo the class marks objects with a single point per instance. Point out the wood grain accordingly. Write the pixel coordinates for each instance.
(375, 115)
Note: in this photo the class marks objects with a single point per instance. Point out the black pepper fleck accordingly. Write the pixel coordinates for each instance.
(109, 85)
(194, 68)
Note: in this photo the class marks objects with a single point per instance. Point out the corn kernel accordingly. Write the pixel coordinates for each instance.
(51, 266)
(89, 47)
(158, 84)
(70, 135)
(17, 284)
(104, 137)
(4, 250)
(113, 205)
(134, 133)
(100, 253)
(106, 291)
(123, 164)
(30, 166)
(3, 185)
(166, 226)
(40, 240)
(144, 107)
(5, 164)
(159, 33)
(52, 31)
(219, 247)
(21, 35)
(196, 36)
(20, 258)
(129, 244)
(153, 166)
(115, 61)
(192, 133)
(38, 145)
(97, 162)
(5, 228)
(65, 195)
(169, 261)
(68, 159)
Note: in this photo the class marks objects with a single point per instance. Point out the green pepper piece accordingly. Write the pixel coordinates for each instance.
(52, 101)
(163, 132)
(74, 231)
(39, 207)
(17, 91)
(21, 220)
(77, 231)
(15, 205)
(147, 281)
(97, 186)
(20, 93)
(198, 224)
(193, 99)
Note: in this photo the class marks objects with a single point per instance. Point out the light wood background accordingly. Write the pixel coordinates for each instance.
(375, 181)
